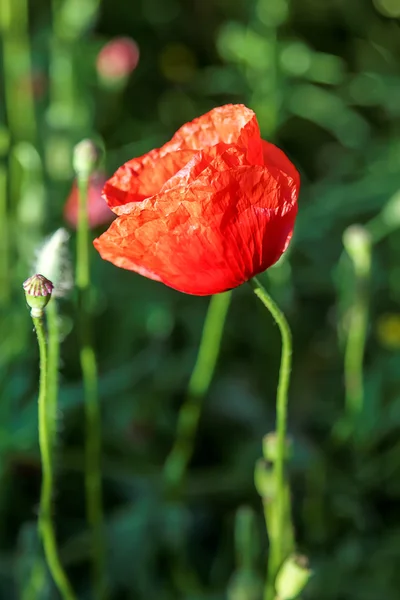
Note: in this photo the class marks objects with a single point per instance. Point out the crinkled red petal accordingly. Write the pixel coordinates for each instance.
(142, 177)
(210, 235)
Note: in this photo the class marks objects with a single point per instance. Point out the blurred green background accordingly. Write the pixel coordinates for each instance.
(323, 77)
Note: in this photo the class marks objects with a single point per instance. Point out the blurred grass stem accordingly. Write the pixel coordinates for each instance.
(93, 486)
(18, 88)
(46, 527)
(354, 357)
(277, 539)
(4, 249)
(179, 457)
(354, 353)
(358, 245)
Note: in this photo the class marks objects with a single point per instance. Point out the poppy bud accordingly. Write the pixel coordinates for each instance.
(270, 445)
(264, 480)
(292, 578)
(38, 291)
(116, 60)
(357, 242)
(86, 158)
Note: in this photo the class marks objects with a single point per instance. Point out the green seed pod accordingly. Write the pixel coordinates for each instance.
(38, 291)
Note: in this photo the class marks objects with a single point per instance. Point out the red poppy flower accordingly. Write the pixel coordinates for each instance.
(98, 211)
(209, 210)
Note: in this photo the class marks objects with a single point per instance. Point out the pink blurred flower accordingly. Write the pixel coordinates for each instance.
(98, 211)
(117, 59)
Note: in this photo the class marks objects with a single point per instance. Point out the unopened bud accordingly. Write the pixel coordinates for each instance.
(264, 479)
(38, 291)
(357, 242)
(270, 447)
(116, 61)
(292, 578)
(86, 158)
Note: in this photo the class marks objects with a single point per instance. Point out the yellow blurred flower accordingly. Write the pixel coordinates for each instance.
(388, 330)
(178, 63)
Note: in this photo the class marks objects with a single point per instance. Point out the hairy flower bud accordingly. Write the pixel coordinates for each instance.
(54, 262)
(38, 291)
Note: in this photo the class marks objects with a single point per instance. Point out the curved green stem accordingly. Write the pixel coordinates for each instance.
(94, 505)
(277, 538)
(52, 365)
(179, 457)
(46, 528)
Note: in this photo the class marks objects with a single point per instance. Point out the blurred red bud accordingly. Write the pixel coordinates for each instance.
(117, 59)
(98, 211)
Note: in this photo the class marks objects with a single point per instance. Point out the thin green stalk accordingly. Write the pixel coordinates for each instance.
(61, 84)
(277, 542)
(4, 249)
(46, 528)
(358, 245)
(53, 365)
(179, 457)
(35, 582)
(94, 505)
(20, 107)
(354, 356)
(82, 240)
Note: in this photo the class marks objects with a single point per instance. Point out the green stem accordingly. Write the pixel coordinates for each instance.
(82, 240)
(354, 356)
(94, 505)
(179, 457)
(20, 107)
(4, 249)
(36, 581)
(277, 542)
(53, 365)
(46, 528)
(61, 84)
(37, 576)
